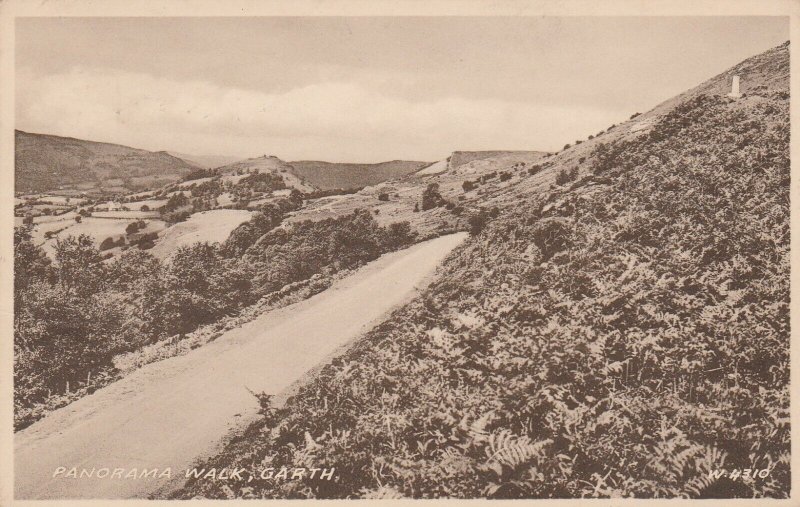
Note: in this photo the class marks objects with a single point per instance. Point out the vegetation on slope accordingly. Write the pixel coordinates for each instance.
(72, 316)
(331, 175)
(622, 334)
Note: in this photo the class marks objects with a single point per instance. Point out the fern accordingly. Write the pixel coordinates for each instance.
(510, 450)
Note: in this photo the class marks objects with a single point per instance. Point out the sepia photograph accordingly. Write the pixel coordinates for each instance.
(346, 256)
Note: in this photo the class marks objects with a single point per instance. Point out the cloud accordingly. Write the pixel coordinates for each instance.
(337, 120)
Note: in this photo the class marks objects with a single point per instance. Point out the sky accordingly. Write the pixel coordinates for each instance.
(363, 89)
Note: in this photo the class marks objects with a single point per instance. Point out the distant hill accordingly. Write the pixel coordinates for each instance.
(205, 161)
(269, 164)
(46, 163)
(329, 175)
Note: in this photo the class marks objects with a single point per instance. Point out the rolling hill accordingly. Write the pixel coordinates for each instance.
(268, 164)
(331, 175)
(46, 163)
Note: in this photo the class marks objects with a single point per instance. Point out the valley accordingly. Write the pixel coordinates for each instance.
(607, 320)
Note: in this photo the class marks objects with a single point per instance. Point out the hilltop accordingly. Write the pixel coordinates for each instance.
(331, 175)
(617, 325)
(45, 163)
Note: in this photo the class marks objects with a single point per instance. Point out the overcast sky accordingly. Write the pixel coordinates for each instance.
(362, 89)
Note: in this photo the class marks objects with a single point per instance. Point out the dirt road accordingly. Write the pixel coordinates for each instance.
(172, 412)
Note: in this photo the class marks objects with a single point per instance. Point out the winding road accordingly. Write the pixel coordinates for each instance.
(174, 412)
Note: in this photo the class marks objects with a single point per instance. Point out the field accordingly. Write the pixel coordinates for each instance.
(96, 228)
(212, 226)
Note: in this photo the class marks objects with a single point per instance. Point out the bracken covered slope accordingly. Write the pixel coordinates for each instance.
(624, 332)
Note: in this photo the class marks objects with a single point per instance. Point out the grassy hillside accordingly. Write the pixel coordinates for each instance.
(459, 158)
(45, 163)
(330, 175)
(268, 164)
(620, 329)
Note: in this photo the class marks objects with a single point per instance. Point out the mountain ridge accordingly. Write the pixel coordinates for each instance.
(46, 162)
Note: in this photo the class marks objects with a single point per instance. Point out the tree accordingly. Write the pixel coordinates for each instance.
(78, 265)
(30, 263)
(477, 222)
(107, 244)
(131, 267)
(431, 198)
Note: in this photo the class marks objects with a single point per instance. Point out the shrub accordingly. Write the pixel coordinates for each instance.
(505, 176)
(565, 176)
(107, 243)
(477, 222)
(383, 196)
(431, 198)
(469, 185)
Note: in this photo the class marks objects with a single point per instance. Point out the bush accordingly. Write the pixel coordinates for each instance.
(469, 185)
(564, 176)
(107, 244)
(134, 227)
(383, 196)
(505, 176)
(477, 222)
(431, 198)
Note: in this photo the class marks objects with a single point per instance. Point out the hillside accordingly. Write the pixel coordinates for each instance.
(271, 165)
(45, 163)
(205, 161)
(330, 175)
(401, 199)
(618, 328)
